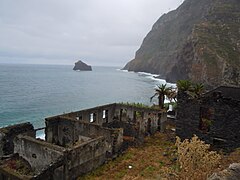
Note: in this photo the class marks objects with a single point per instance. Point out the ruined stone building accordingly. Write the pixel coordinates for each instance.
(75, 143)
(214, 117)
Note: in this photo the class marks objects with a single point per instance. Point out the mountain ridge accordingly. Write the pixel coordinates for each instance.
(198, 41)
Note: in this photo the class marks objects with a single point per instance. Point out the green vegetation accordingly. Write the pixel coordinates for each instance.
(174, 105)
(138, 105)
(161, 91)
(194, 90)
(184, 85)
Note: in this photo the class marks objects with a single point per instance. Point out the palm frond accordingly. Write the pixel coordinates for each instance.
(153, 96)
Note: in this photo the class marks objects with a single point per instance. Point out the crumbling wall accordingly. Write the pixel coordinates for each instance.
(225, 122)
(80, 141)
(102, 115)
(85, 157)
(97, 115)
(136, 122)
(54, 162)
(7, 134)
(220, 116)
(39, 154)
(67, 132)
(188, 117)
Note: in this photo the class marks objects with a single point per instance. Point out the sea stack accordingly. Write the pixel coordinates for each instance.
(81, 66)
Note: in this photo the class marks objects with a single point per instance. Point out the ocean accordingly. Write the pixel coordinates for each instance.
(30, 93)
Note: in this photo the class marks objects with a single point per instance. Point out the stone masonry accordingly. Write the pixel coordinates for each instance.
(214, 117)
(75, 143)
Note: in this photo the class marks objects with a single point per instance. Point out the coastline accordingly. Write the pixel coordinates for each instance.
(155, 77)
(26, 98)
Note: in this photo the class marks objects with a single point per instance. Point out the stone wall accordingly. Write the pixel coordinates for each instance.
(39, 154)
(66, 132)
(85, 157)
(215, 119)
(54, 162)
(188, 117)
(7, 134)
(103, 115)
(136, 121)
(143, 120)
(78, 142)
(97, 115)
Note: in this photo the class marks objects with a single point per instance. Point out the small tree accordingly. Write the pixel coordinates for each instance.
(161, 91)
(195, 159)
(184, 85)
(198, 89)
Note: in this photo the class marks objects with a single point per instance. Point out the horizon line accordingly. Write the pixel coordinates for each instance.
(56, 64)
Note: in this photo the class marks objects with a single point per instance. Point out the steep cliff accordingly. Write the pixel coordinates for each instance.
(200, 41)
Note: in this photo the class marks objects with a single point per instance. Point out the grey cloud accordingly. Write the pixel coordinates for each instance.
(102, 32)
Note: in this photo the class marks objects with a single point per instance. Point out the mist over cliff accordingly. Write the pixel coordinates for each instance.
(200, 40)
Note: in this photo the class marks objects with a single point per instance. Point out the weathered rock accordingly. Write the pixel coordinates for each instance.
(200, 41)
(81, 66)
(231, 173)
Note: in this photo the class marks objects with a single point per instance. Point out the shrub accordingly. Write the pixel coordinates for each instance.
(195, 159)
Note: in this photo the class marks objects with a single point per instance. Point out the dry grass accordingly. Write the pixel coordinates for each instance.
(195, 159)
(156, 159)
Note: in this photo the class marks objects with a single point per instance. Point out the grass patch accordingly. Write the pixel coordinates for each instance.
(144, 162)
(156, 159)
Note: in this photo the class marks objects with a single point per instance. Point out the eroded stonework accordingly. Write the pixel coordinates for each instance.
(75, 143)
(214, 117)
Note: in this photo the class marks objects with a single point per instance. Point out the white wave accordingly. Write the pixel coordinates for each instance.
(144, 73)
(41, 136)
(125, 71)
(173, 85)
(160, 81)
(148, 74)
(153, 77)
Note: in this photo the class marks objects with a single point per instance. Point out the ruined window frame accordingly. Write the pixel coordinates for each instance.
(206, 118)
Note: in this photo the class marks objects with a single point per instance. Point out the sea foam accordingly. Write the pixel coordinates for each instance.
(41, 136)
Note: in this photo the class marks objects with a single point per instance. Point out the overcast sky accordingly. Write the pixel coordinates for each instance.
(99, 32)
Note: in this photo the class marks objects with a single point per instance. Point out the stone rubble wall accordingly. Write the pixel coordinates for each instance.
(231, 173)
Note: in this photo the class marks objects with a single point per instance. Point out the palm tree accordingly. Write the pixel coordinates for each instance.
(197, 90)
(184, 85)
(172, 95)
(161, 91)
(193, 90)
